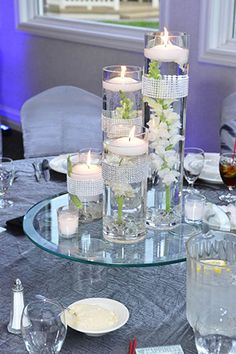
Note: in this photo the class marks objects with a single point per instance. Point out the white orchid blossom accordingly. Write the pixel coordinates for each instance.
(164, 126)
(122, 190)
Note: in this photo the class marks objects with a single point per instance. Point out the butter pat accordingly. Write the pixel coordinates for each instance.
(92, 317)
(167, 349)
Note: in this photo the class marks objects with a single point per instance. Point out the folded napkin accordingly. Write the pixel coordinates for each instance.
(216, 218)
(230, 211)
(211, 167)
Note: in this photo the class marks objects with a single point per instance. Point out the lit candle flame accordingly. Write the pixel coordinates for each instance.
(123, 71)
(131, 133)
(89, 159)
(165, 37)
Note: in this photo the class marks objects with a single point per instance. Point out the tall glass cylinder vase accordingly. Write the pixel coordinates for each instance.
(122, 96)
(85, 184)
(124, 169)
(165, 89)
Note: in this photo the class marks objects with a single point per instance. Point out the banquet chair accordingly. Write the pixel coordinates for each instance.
(59, 120)
(228, 123)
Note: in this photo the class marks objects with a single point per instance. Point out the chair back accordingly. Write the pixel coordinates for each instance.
(60, 120)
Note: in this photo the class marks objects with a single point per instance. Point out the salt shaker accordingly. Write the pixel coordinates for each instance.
(14, 325)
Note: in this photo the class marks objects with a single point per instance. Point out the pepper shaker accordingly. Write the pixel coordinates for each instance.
(14, 325)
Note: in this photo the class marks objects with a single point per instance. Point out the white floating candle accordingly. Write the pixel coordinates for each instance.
(167, 52)
(86, 171)
(128, 146)
(122, 83)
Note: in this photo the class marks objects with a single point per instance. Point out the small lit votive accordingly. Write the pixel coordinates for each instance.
(194, 205)
(68, 222)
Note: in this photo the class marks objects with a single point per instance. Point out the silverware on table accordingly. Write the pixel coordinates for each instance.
(45, 169)
(37, 171)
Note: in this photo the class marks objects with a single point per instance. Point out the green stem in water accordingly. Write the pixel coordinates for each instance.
(167, 198)
(120, 202)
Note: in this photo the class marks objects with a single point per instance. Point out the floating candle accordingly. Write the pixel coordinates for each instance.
(167, 52)
(86, 171)
(122, 83)
(129, 145)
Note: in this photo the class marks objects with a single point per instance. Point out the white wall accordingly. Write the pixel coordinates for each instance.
(209, 83)
(30, 64)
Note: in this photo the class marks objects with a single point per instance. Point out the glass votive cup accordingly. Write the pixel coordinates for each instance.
(68, 221)
(85, 183)
(194, 205)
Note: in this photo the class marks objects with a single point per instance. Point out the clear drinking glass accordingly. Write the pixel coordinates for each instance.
(6, 180)
(193, 165)
(211, 291)
(43, 326)
(227, 167)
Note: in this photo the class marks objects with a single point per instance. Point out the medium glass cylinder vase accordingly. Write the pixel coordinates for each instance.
(85, 184)
(122, 96)
(165, 89)
(124, 169)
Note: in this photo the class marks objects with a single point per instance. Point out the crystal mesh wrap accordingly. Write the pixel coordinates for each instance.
(168, 87)
(87, 188)
(132, 173)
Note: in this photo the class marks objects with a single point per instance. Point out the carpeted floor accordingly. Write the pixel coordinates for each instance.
(13, 144)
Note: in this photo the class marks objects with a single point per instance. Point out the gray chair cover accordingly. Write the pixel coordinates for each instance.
(60, 120)
(228, 123)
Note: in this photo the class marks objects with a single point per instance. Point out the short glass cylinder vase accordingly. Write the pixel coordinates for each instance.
(165, 89)
(122, 96)
(85, 183)
(124, 169)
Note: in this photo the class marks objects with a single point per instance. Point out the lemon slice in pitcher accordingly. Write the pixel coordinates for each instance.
(218, 265)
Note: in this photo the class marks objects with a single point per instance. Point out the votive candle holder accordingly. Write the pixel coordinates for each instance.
(85, 183)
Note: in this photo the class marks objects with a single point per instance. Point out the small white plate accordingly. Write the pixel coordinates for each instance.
(59, 163)
(120, 310)
(210, 172)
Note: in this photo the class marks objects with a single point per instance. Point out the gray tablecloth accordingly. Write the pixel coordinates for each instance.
(155, 296)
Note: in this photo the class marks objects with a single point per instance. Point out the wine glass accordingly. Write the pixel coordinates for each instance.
(227, 167)
(43, 326)
(193, 165)
(6, 180)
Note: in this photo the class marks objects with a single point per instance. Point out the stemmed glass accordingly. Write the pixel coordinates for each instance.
(43, 326)
(227, 167)
(6, 180)
(193, 165)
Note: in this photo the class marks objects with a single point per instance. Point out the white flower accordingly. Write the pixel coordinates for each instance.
(176, 138)
(122, 190)
(164, 127)
(163, 131)
(168, 176)
(171, 116)
(116, 160)
(172, 159)
(156, 161)
(156, 106)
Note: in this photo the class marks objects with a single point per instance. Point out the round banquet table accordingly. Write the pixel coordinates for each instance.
(154, 295)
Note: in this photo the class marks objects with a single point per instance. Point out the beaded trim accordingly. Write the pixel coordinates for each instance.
(168, 87)
(84, 188)
(132, 173)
